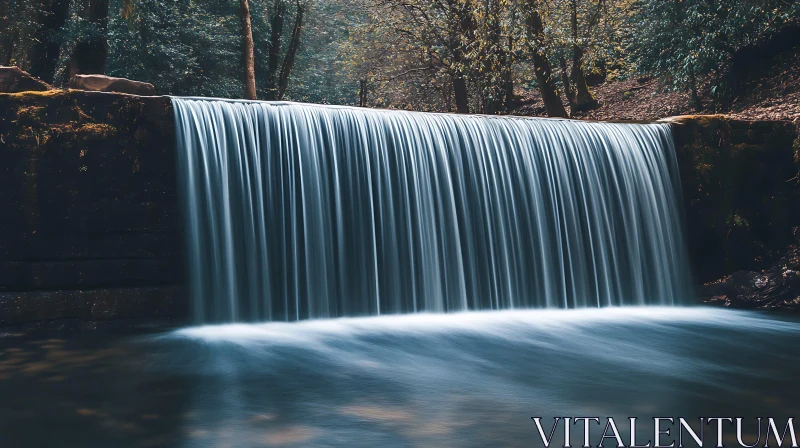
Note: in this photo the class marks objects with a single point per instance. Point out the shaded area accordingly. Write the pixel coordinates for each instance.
(85, 390)
(741, 193)
(775, 286)
(89, 217)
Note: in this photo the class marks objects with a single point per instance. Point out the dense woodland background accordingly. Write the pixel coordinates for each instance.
(468, 56)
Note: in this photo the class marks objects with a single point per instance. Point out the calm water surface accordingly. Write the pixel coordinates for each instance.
(471, 379)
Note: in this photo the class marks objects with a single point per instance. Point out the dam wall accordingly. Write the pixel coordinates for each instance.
(92, 233)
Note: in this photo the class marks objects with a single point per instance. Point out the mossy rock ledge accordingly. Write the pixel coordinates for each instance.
(89, 216)
(92, 234)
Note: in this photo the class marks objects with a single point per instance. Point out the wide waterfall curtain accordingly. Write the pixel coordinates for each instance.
(298, 211)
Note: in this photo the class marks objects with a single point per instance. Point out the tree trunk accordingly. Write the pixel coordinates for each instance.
(697, 101)
(494, 60)
(461, 94)
(541, 66)
(248, 51)
(89, 56)
(98, 14)
(583, 96)
(570, 94)
(276, 36)
(584, 100)
(464, 31)
(8, 48)
(291, 52)
(552, 102)
(362, 93)
(45, 50)
(508, 77)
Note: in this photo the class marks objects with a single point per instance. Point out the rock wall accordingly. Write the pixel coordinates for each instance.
(89, 216)
(741, 191)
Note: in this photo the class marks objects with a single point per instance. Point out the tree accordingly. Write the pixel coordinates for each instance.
(541, 64)
(19, 20)
(455, 55)
(90, 51)
(583, 98)
(82, 41)
(583, 37)
(182, 48)
(686, 42)
(45, 50)
(431, 39)
(291, 51)
(493, 51)
(248, 51)
(276, 34)
(281, 54)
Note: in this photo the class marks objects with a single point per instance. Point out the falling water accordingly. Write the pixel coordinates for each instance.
(299, 211)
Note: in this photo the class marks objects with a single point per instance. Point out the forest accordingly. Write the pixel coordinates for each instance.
(465, 56)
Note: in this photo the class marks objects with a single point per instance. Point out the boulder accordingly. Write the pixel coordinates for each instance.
(777, 286)
(102, 83)
(14, 80)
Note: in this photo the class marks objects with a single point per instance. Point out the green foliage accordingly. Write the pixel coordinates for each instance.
(19, 21)
(182, 48)
(324, 71)
(685, 41)
(736, 220)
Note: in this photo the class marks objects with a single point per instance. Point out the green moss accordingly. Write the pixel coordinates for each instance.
(735, 220)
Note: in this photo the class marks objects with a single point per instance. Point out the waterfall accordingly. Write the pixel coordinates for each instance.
(299, 211)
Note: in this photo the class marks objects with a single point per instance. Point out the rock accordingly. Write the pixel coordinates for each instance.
(777, 286)
(102, 83)
(89, 213)
(14, 80)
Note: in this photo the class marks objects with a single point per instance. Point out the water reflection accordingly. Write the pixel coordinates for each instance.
(471, 379)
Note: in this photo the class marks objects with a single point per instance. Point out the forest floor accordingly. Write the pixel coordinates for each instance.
(773, 95)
